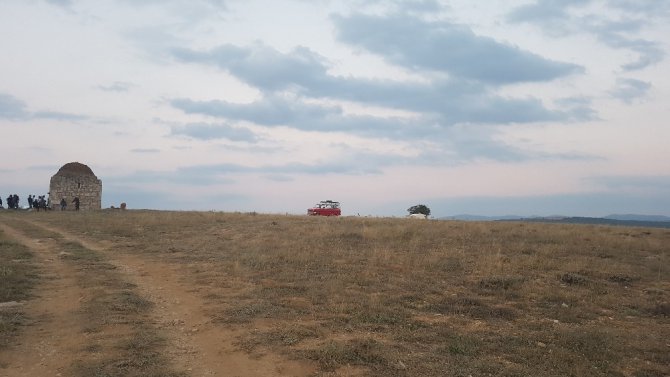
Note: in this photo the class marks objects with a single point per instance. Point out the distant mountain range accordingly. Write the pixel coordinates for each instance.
(655, 221)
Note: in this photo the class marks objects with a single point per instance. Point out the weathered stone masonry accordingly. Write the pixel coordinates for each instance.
(75, 180)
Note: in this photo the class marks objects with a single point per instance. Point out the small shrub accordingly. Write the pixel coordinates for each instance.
(130, 302)
(661, 309)
(463, 346)
(574, 279)
(279, 337)
(622, 279)
(501, 282)
(333, 354)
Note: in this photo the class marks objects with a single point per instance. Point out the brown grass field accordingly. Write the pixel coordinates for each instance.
(157, 293)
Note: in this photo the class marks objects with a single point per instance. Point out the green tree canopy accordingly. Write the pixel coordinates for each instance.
(419, 208)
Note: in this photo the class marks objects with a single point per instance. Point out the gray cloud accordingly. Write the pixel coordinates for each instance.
(208, 131)
(458, 144)
(262, 66)
(617, 34)
(554, 17)
(55, 115)
(305, 72)
(630, 90)
(276, 111)
(271, 111)
(464, 70)
(12, 108)
(447, 48)
(451, 100)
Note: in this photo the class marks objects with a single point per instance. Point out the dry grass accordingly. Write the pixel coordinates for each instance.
(397, 297)
(18, 275)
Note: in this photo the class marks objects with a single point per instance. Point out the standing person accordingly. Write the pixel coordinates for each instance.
(10, 201)
(16, 201)
(0, 202)
(63, 204)
(30, 201)
(42, 203)
(76, 203)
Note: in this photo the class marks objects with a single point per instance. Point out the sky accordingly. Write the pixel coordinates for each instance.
(491, 107)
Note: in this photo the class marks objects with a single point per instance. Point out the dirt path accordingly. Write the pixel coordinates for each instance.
(54, 340)
(197, 345)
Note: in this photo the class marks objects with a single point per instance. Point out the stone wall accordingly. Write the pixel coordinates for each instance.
(87, 188)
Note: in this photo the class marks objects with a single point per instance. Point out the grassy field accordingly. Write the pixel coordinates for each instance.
(393, 297)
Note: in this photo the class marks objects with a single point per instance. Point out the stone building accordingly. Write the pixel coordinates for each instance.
(75, 180)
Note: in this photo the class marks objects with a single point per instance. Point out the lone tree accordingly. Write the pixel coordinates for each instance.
(419, 208)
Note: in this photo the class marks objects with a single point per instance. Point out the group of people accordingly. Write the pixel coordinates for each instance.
(12, 202)
(38, 202)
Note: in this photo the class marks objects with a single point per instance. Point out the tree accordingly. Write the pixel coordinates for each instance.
(419, 208)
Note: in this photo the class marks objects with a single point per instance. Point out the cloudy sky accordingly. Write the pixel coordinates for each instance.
(528, 107)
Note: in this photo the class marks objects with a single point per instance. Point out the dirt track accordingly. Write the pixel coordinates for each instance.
(57, 339)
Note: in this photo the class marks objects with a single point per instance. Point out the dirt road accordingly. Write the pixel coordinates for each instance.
(60, 339)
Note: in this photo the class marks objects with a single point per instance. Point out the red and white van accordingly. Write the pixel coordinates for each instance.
(325, 208)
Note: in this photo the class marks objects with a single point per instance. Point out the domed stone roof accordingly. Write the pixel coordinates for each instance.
(75, 169)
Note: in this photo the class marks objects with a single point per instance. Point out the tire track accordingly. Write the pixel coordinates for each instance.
(198, 345)
(54, 339)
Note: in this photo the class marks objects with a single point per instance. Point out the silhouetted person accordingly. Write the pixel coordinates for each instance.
(30, 201)
(76, 203)
(63, 204)
(40, 203)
